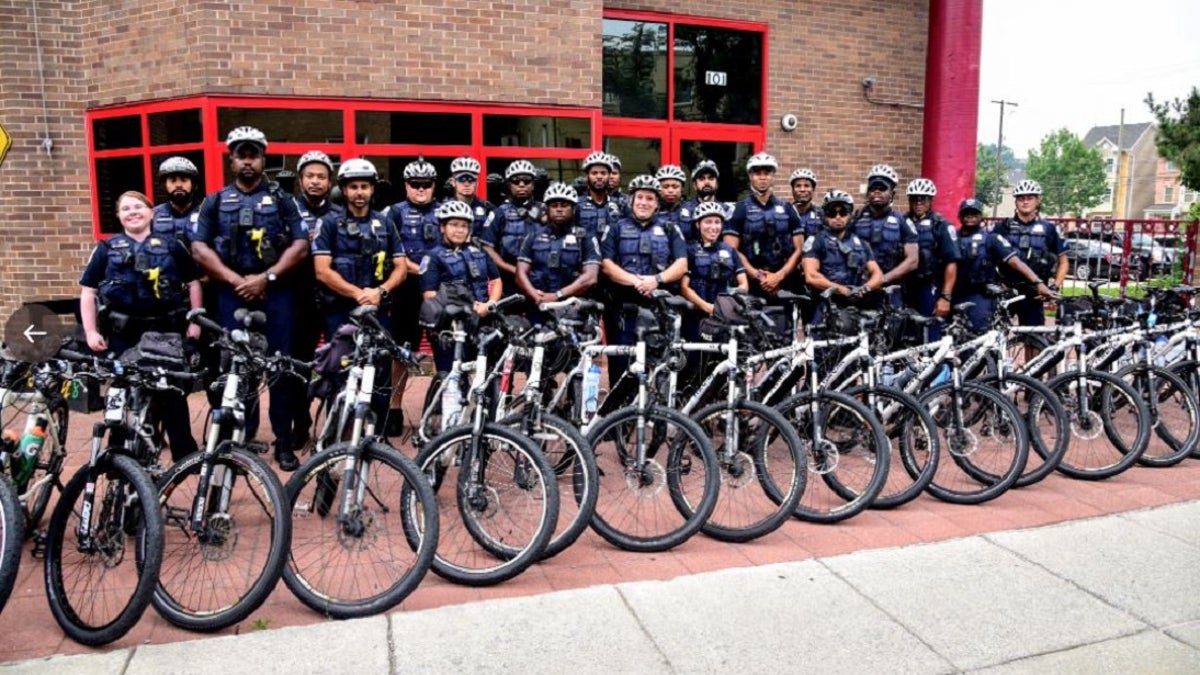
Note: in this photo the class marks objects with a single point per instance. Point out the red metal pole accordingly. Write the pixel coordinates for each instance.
(952, 100)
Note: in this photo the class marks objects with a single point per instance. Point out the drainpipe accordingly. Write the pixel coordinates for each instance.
(952, 100)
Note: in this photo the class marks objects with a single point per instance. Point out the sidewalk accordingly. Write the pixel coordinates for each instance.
(1115, 593)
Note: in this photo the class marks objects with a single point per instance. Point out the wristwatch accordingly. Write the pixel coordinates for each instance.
(272, 277)
(558, 295)
(383, 294)
(658, 278)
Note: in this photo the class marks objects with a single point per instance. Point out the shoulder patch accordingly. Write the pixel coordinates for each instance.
(808, 244)
(779, 208)
(953, 233)
(912, 228)
(1002, 240)
(424, 265)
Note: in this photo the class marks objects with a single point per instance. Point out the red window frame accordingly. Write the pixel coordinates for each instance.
(670, 130)
(214, 150)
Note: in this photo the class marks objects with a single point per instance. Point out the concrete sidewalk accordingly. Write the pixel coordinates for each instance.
(1113, 594)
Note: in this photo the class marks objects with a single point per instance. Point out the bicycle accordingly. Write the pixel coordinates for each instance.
(352, 553)
(11, 536)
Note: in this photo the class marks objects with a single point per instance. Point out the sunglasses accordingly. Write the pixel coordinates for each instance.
(836, 213)
(465, 178)
(521, 181)
(420, 185)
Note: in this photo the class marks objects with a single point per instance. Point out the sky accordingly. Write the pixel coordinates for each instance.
(1076, 63)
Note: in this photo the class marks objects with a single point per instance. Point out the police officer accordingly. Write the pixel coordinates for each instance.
(464, 177)
(714, 266)
(559, 259)
(804, 186)
(893, 240)
(929, 288)
(639, 256)
(249, 239)
(765, 231)
(614, 185)
(981, 253)
(670, 208)
(596, 211)
(840, 259)
(315, 170)
(1040, 246)
(177, 216)
(511, 222)
(705, 177)
(456, 259)
(146, 282)
(416, 220)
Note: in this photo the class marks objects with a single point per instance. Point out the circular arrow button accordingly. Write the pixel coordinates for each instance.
(33, 333)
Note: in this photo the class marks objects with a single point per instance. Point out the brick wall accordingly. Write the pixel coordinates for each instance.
(99, 53)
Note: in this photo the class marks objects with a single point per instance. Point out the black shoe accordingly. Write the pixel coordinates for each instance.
(286, 457)
(395, 423)
(301, 441)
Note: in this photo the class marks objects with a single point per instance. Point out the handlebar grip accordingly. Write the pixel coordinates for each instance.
(198, 317)
(505, 302)
(72, 355)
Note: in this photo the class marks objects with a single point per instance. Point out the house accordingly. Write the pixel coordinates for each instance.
(1131, 182)
(1171, 199)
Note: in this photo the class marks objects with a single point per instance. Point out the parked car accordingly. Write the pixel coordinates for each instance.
(1092, 259)
(1155, 258)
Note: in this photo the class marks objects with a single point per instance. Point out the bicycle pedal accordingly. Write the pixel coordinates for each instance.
(38, 552)
(258, 447)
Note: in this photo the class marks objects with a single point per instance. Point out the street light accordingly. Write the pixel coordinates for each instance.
(999, 149)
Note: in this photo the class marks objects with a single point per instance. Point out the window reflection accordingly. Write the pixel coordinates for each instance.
(316, 126)
(112, 133)
(537, 132)
(718, 75)
(114, 176)
(635, 69)
(416, 128)
(176, 127)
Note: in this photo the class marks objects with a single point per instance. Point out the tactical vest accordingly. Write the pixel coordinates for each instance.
(141, 279)
(642, 250)
(251, 234)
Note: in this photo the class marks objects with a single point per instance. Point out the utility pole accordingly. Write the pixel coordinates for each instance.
(999, 149)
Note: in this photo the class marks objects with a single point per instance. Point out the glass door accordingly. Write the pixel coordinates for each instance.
(729, 155)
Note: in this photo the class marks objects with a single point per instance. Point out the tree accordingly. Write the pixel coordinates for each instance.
(1179, 134)
(987, 184)
(1071, 174)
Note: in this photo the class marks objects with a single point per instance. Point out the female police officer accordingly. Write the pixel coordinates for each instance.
(146, 282)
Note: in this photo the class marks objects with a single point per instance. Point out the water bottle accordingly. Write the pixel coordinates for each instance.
(943, 376)
(591, 388)
(30, 446)
(451, 403)
(889, 374)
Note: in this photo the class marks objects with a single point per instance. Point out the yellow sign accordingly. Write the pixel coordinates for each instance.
(5, 143)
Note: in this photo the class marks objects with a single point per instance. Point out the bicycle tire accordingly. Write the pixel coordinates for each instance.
(468, 552)
(200, 584)
(1045, 420)
(1189, 372)
(974, 476)
(1017, 342)
(1120, 449)
(912, 441)
(764, 481)
(850, 459)
(369, 570)
(691, 493)
(574, 464)
(11, 537)
(1174, 414)
(112, 518)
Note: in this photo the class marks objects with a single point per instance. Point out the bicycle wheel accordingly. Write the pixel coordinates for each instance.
(1109, 423)
(762, 474)
(578, 477)
(663, 500)
(1174, 414)
(912, 441)
(1189, 372)
(497, 500)
(11, 536)
(215, 576)
(358, 561)
(985, 437)
(98, 585)
(1021, 345)
(846, 452)
(1045, 420)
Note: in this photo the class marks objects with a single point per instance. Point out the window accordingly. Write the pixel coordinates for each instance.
(1170, 167)
(635, 69)
(412, 128)
(114, 133)
(718, 75)
(536, 132)
(1168, 193)
(175, 127)
(114, 176)
(1109, 165)
(283, 125)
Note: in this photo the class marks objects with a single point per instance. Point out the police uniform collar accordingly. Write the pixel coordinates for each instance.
(1037, 215)
(324, 203)
(845, 232)
(713, 245)
(177, 213)
(422, 208)
(770, 198)
(261, 186)
(519, 204)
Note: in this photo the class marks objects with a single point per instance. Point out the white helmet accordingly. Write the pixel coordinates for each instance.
(454, 209)
(601, 158)
(560, 192)
(762, 160)
(420, 169)
(806, 174)
(885, 173)
(670, 172)
(706, 209)
(356, 169)
(1027, 187)
(315, 156)
(921, 187)
(837, 197)
(465, 164)
(246, 135)
(614, 162)
(705, 165)
(521, 167)
(645, 182)
(177, 165)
